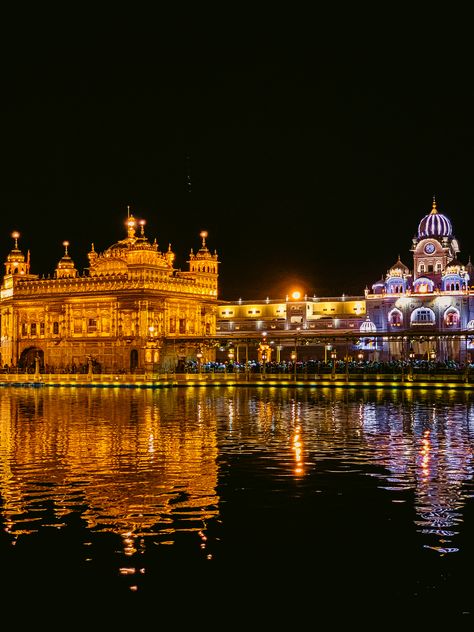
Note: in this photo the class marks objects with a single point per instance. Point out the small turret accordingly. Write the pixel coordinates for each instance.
(65, 267)
(203, 261)
(15, 263)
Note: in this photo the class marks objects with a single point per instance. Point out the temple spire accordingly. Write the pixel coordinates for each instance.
(434, 210)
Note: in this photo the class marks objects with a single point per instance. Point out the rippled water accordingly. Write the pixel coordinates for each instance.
(363, 499)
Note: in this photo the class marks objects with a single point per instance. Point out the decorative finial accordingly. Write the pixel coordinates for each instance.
(66, 244)
(142, 223)
(434, 209)
(16, 236)
(128, 210)
(203, 234)
(131, 223)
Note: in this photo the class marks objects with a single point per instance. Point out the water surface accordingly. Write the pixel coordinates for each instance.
(314, 499)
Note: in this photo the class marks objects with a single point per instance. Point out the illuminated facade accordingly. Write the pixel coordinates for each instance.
(427, 312)
(435, 297)
(130, 310)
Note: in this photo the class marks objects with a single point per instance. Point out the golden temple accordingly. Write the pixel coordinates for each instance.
(127, 311)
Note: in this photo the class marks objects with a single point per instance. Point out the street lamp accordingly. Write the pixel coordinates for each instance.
(432, 355)
(411, 355)
(333, 366)
(264, 353)
(360, 356)
(199, 359)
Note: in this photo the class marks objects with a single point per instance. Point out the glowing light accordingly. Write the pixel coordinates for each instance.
(425, 453)
(296, 295)
(297, 446)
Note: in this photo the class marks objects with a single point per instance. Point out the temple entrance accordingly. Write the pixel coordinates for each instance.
(26, 360)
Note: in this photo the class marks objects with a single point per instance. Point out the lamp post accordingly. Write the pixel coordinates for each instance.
(411, 355)
(293, 359)
(333, 364)
(199, 360)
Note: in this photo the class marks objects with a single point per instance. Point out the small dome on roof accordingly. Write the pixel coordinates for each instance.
(368, 325)
(454, 265)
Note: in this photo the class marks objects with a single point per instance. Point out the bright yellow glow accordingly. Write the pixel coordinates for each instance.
(298, 451)
(15, 234)
(296, 295)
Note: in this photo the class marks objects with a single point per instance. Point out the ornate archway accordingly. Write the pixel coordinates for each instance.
(27, 358)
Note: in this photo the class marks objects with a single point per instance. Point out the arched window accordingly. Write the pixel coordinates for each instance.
(422, 267)
(451, 318)
(423, 285)
(395, 318)
(422, 316)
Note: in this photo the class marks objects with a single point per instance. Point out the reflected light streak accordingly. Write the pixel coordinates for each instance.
(425, 454)
(297, 446)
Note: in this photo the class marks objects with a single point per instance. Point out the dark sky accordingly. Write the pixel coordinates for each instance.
(309, 160)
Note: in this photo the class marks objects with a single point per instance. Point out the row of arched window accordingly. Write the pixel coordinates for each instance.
(424, 315)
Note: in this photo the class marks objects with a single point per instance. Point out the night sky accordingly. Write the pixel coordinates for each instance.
(310, 163)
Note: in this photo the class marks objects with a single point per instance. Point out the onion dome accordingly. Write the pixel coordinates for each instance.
(434, 224)
(454, 266)
(398, 268)
(368, 326)
(66, 267)
(15, 263)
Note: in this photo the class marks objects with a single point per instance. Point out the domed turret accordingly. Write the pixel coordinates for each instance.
(434, 225)
(15, 263)
(65, 267)
(368, 326)
(454, 266)
(134, 253)
(398, 269)
(203, 261)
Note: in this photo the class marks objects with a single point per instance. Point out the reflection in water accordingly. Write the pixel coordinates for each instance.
(131, 464)
(198, 472)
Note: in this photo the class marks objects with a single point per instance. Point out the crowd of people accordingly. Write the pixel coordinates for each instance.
(320, 366)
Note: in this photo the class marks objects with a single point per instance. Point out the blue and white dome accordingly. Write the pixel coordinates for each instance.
(368, 326)
(434, 225)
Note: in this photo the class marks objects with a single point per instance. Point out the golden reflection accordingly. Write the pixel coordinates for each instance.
(133, 459)
(297, 445)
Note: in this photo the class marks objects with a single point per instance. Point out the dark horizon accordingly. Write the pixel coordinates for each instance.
(313, 169)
